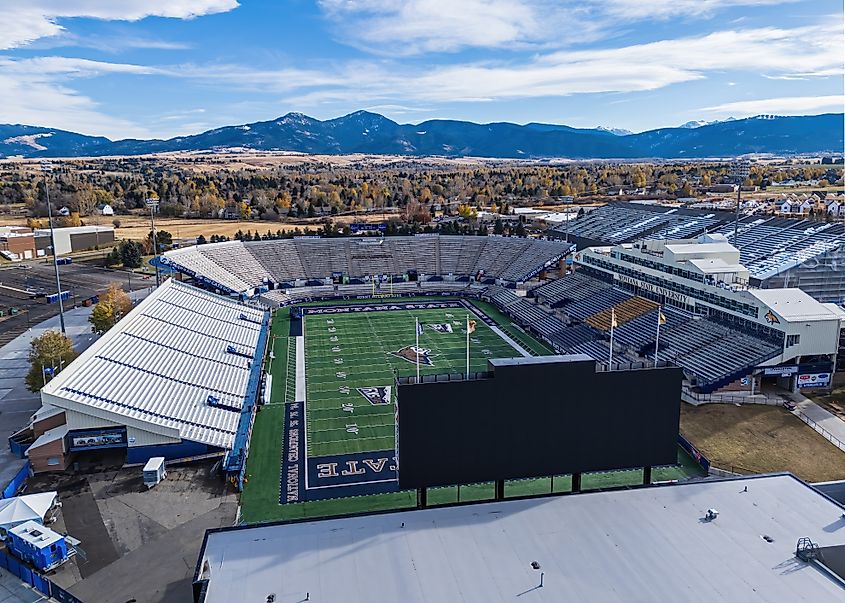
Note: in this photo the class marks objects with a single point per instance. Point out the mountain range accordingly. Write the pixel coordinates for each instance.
(365, 132)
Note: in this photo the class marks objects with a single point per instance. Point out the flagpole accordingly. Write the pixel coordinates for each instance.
(467, 346)
(417, 349)
(612, 324)
(657, 337)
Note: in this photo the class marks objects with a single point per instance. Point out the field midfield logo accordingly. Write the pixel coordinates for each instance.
(444, 327)
(410, 353)
(376, 395)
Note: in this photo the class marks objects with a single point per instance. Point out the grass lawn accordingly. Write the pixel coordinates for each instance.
(760, 439)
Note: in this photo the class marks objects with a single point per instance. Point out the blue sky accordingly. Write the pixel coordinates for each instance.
(161, 68)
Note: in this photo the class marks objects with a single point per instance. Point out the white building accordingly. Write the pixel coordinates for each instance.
(177, 377)
(704, 277)
(78, 238)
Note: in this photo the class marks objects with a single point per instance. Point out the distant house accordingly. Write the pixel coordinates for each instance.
(835, 208)
(64, 211)
(104, 209)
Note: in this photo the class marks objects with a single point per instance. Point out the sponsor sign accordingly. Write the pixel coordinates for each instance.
(814, 380)
(103, 439)
(781, 371)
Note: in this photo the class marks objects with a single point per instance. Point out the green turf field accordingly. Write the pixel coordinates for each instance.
(364, 343)
(350, 351)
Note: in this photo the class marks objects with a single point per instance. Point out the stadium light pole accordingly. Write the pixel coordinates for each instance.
(47, 168)
(153, 204)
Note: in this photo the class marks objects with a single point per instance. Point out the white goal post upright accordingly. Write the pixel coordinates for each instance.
(467, 347)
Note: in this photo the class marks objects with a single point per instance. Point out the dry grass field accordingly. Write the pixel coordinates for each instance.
(137, 226)
(759, 439)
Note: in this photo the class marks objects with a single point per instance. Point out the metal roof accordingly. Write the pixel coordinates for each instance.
(162, 362)
(794, 304)
(648, 544)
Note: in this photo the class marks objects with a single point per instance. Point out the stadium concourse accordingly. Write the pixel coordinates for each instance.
(177, 377)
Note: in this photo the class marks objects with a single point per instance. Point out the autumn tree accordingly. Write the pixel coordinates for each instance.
(48, 355)
(114, 304)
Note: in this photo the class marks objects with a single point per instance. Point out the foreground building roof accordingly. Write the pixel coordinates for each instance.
(649, 544)
(178, 364)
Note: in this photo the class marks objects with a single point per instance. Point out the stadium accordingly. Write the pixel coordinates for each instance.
(287, 358)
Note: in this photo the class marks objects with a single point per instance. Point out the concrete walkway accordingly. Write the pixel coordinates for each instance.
(12, 590)
(826, 423)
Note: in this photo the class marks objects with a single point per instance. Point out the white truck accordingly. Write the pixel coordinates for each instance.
(154, 471)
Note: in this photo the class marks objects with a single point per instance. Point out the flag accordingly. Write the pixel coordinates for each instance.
(470, 326)
(613, 323)
(419, 328)
(661, 319)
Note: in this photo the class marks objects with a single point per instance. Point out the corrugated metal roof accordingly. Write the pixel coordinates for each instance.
(650, 544)
(161, 363)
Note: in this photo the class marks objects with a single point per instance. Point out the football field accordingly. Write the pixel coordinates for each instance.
(325, 441)
(351, 360)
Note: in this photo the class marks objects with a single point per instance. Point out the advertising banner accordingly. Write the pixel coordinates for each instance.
(814, 380)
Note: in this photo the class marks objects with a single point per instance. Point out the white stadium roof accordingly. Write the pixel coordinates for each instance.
(158, 366)
(648, 544)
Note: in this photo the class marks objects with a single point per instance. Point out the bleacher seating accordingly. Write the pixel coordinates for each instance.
(241, 267)
(572, 287)
(711, 353)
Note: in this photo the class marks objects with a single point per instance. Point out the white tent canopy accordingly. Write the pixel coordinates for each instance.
(31, 507)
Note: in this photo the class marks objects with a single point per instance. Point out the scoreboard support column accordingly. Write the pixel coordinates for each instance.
(422, 498)
(646, 476)
(576, 482)
(500, 489)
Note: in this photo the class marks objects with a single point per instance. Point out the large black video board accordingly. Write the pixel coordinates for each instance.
(537, 417)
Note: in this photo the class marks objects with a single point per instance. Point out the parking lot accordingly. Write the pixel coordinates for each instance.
(124, 526)
(24, 287)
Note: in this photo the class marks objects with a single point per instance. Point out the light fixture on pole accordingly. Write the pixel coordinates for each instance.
(46, 169)
(153, 205)
(740, 170)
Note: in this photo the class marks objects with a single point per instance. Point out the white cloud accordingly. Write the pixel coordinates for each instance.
(34, 92)
(24, 21)
(665, 9)
(632, 68)
(788, 105)
(408, 27)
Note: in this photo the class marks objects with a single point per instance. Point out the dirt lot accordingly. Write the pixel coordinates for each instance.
(759, 439)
